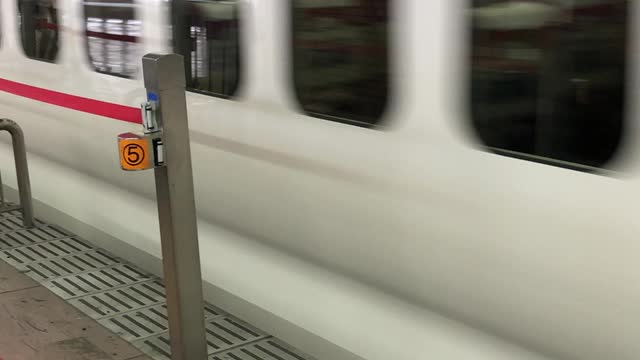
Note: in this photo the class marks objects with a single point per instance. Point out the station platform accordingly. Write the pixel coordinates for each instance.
(37, 324)
(63, 298)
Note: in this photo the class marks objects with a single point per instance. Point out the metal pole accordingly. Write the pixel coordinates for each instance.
(22, 170)
(1, 191)
(164, 79)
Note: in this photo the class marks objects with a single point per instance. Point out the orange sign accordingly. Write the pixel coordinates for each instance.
(135, 152)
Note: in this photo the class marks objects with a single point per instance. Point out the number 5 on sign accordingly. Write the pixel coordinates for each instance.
(135, 152)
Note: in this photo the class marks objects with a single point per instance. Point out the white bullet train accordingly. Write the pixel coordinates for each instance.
(381, 179)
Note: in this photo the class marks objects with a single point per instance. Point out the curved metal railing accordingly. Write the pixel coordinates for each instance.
(22, 170)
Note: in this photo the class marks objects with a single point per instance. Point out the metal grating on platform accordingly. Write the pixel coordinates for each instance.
(121, 300)
(146, 322)
(11, 211)
(13, 223)
(71, 286)
(22, 237)
(138, 324)
(222, 334)
(227, 332)
(268, 349)
(68, 265)
(44, 251)
(121, 297)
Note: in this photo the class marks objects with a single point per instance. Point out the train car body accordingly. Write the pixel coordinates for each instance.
(370, 238)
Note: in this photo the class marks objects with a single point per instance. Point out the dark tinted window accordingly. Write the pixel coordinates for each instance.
(38, 21)
(112, 33)
(547, 77)
(340, 58)
(205, 32)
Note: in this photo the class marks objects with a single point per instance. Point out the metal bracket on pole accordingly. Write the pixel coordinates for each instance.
(22, 170)
(164, 146)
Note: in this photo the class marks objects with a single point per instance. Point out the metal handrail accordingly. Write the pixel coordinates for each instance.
(22, 171)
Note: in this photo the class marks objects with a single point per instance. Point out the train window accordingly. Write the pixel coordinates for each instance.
(38, 21)
(205, 32)
(340, 59)
(548, 78)
(112, 34)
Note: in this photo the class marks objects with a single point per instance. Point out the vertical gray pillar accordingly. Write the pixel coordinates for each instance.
(165, 83)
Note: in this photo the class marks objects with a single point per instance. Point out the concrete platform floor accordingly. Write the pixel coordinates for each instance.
(35, 324)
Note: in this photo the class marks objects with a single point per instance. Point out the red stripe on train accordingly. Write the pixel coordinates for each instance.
(79, 103)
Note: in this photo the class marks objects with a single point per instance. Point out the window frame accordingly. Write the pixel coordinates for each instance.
(608, 167)
(238, 16)
(21, 25)
(381, 119)
(137, 12)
